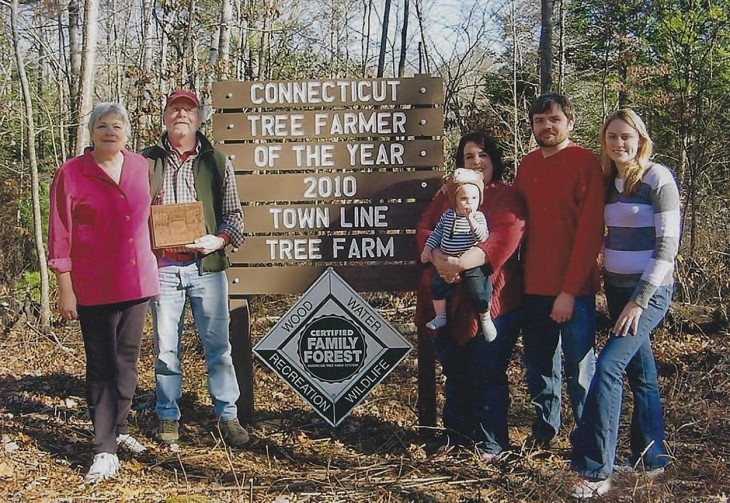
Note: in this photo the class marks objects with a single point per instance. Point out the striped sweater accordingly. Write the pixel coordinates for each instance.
(643, 234)
(454, 235)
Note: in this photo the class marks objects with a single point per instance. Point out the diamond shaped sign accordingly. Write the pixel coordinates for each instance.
(332, 347)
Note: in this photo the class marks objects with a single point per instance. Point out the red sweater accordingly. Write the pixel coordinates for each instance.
(505, 214)
(564, 194)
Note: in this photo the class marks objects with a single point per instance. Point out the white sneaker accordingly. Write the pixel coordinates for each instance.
(105, 465)
(488, 328)
(130, 444)
(587, 489)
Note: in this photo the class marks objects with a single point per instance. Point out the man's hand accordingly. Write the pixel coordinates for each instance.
(628, 320)
(563, 308)
(206, 244)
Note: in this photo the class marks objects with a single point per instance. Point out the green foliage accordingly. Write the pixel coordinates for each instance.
(29, 285)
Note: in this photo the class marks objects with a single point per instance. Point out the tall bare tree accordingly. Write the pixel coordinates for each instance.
(545, 50)
(30, 131)
(91, 30)
(384, 39)
(224, 38)
(403, 39)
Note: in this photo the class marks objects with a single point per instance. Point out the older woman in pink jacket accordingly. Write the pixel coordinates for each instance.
(99, 249)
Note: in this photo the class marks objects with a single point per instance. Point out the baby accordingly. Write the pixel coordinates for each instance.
(459, 228)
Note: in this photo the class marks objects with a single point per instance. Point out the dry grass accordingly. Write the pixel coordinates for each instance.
(376, 455)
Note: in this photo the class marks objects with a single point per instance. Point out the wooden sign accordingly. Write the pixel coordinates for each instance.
(334, 155)
(328, 124)
(418, 90)
(331, 173)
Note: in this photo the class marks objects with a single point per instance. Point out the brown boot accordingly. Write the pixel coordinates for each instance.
(233, 433)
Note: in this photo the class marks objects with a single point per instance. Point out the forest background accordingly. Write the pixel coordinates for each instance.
(668, 59)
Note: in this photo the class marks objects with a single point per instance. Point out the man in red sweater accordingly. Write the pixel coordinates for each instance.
(563, 189)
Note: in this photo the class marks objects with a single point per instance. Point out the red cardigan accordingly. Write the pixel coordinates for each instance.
(505, 214)
(564, 195)
(98, 230)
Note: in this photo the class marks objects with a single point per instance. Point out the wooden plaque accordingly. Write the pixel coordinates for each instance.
(176, 224)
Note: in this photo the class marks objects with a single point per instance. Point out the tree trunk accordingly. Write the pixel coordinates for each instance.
(144, 88)
(424, 47)
(45, 314)
(74, 73)
(224, 39)
(384, 39)
(545, 50)
(403, 39)
(365, 40)
(561, 47)
(515, 117)
(91, 20)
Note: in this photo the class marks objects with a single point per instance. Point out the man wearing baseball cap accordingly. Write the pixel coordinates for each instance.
(184, 168)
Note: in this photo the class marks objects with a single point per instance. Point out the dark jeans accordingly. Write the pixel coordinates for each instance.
(478, 288)
(112, 338)
(543, 340)
(477, 387)
(595, 439)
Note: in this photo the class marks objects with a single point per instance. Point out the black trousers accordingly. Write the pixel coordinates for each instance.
(112, 338)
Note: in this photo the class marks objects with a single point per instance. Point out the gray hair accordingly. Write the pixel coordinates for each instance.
(110, 108)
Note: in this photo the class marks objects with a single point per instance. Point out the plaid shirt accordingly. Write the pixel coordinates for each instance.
(178, 186)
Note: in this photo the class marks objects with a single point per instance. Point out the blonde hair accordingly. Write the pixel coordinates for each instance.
(636, 168)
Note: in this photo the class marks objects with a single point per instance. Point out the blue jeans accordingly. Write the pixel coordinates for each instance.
(543, 339)
(478, 288)
(477, 387)
(595, 439)
(208, 296)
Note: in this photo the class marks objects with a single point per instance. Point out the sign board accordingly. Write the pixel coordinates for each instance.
(332, 348)
(331, 173)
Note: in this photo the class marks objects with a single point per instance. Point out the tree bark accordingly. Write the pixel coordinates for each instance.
(424, 47)
(224, 39)
(45, 314)
(545, 50)
(403, 39)
(383, 39)
(91, 21)
(74, 67)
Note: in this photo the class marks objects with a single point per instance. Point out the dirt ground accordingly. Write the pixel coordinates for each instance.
(375, 455)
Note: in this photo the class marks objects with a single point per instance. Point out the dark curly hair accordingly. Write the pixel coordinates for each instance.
(489, 145)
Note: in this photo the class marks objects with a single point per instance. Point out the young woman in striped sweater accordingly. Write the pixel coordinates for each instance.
(642, 216)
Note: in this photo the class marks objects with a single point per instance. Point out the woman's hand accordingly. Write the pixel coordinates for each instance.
(67, 304)
(447, 267)
(628, 320)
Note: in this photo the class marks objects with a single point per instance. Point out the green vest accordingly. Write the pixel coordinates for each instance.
(209, 169)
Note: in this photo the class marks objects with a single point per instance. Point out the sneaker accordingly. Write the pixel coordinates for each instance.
(629, 468)
(489, 458)
(439, 448)
(233, 433)
(130, 444)
(587, 489)
(168, 431)
(105, 465)
(488, 328)
(439, 321)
